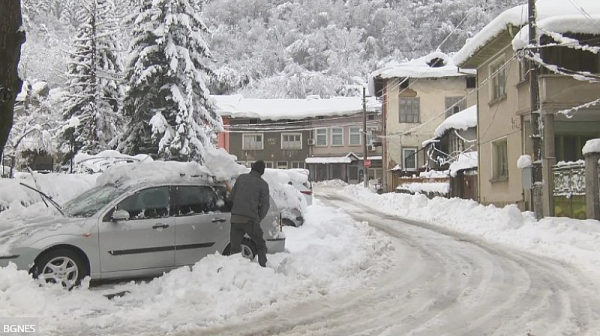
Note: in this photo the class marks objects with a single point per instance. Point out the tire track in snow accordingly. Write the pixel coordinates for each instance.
(442, 283)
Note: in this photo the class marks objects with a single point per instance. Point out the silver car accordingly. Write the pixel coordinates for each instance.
(135, 230)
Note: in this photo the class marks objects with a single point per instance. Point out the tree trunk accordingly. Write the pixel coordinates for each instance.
(11, 38)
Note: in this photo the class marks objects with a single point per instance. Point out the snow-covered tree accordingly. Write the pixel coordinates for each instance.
(38, 122)
(93, 71)
(171, 113)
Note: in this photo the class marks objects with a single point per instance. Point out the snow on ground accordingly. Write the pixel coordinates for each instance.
(564, 239)
(329, 183)
(329, 254)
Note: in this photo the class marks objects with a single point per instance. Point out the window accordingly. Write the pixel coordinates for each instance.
(268, 164)
(291, 141)
(249, 164)
(355, 136)
(371, 117)
(321, 136)
(194, 200)
(500, 156)
(471, 82)
(252, 142)
(298, 165)
(337, 136)
(409, 110)
(455, 105)
(282, 164)
(147, 204)
(409, 158)
(498, 74)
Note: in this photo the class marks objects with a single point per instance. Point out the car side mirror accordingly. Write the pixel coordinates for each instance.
(120, 215)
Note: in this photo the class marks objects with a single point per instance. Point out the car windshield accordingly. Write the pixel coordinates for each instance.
(89, 202)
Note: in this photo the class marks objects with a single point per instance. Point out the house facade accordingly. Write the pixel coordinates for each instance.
(504, 109)
(337, 151)
(321, 135)
(417, 96)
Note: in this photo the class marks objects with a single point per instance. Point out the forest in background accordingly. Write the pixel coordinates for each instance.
(278, 48)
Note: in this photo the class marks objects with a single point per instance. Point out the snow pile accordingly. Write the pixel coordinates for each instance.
(105, 159)
(441, 188)
(422, 68)
(524, 161)
(61, 187)
(462, 120)
(236, 106)
(569, 240)
(518, 16)
(464, 161)
(591, 146)
(330, 184)
(329, 254)
(434, 174)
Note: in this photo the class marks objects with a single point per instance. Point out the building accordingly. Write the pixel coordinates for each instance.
(321, 135)
(417, 96)
(336, 150)
(567, 84)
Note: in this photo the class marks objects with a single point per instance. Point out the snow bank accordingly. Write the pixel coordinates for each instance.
(591, 146)
(330, 184)
(426, 188)
(462, 120)
(564, 239)
(330, 253)
(524, 161)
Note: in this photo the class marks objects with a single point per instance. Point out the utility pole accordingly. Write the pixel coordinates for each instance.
(536, 134)
(364, 137)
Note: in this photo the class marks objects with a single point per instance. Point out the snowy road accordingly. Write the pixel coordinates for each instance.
(442, 283)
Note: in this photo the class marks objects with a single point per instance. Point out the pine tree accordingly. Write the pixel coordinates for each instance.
(93, 69)
(168, 102)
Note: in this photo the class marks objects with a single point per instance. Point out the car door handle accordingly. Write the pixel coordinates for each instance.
(219, 220)
(160, 226)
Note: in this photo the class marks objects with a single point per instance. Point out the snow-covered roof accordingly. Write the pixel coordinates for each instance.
(464, 161)
(518, 16)
(236, 106)
(560, 24)
(329, 159)
(422, 68)
(460, 121)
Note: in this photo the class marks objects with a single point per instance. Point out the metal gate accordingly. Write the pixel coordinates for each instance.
(569, 190)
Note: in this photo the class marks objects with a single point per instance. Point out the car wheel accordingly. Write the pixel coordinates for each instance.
(248, 249)
(62, 266)
(288, 222)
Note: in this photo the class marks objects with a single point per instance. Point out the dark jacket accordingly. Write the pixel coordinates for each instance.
(250, 196)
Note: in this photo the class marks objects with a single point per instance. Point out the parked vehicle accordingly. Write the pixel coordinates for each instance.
(139, 229)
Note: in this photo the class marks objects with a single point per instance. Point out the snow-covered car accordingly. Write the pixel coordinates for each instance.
(292, 217)
(136, 229)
